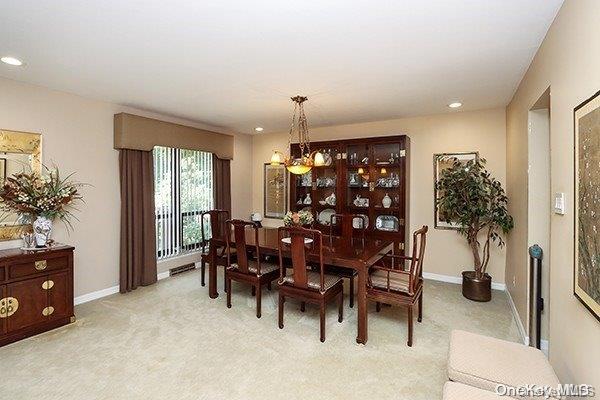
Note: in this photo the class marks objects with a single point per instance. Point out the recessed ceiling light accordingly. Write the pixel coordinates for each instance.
(11, 61)
(455, 104)
(258, 129)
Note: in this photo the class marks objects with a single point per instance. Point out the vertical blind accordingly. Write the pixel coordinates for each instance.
(183, 190)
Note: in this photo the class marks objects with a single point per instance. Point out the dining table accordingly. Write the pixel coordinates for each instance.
(343, 252)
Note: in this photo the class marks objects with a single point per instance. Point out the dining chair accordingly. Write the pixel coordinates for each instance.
(397, 286)
(217, 220)
(345, 227)
(303, 284)
(253, 271)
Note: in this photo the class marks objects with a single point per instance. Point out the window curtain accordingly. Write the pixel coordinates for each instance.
(222, 183)
(138, 232)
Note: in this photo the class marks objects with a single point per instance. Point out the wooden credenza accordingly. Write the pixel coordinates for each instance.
(36, 292)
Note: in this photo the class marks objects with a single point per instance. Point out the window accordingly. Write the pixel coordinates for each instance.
(183, 189)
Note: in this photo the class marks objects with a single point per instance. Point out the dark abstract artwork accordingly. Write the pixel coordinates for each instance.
(587, 212)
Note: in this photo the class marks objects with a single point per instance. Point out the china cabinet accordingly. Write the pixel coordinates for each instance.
(367, 176)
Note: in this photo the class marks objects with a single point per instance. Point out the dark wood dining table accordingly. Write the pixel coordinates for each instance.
(356, 254)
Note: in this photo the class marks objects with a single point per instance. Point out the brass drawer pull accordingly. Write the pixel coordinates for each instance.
(47, 311)
(49, 284)
(11, 304)
(41, 265)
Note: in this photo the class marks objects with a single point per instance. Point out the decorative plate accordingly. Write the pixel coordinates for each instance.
(387, 223)
(357, 222)
(325, 216)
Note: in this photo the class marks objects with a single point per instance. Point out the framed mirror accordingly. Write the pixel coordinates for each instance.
(19, 151)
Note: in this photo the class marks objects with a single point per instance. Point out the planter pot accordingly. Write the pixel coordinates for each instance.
(42, 228)
(476, 289)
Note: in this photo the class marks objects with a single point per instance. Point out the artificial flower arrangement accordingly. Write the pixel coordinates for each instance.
(299, 218)
(41, 198)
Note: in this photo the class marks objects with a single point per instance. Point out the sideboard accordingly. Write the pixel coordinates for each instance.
(36, 291)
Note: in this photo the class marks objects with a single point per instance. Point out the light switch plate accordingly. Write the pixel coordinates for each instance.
(559, 203)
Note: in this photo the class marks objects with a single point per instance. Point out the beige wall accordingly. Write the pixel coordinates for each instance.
(78, 136)
(569, 63)
(482, 131)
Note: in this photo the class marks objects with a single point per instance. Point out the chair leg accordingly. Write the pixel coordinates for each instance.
(225, 279)
(202, 272)
(302, 306)
(377, 306)
(228, 289)
(341, 307)
(281, 305)
(410, 326)
(420, 317)
(322, 322)
(351, 292)
(253, 291)
(258, 300)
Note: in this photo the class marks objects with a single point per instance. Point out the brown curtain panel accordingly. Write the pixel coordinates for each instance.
(222, 182)
(138, 236)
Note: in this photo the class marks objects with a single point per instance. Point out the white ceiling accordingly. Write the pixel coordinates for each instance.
(234, 64)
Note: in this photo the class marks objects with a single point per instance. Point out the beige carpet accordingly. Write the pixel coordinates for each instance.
(170, 341)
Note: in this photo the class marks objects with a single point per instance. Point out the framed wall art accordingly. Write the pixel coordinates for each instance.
(440, 163)
(586, 283)
(275, 191)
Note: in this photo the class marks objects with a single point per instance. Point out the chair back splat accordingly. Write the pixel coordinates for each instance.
(298, 248)
(217, 220)
(238, 228)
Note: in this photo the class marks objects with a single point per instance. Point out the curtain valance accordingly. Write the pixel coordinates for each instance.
(141, 133)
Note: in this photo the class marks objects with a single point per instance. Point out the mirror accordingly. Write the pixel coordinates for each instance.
(19, 151)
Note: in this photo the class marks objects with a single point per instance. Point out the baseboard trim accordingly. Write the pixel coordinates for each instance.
(517, 318)
(457, 280)
(98, 294)
(162, 275)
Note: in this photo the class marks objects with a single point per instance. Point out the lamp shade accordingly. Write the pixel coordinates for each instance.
(276, 158)
(319, 159)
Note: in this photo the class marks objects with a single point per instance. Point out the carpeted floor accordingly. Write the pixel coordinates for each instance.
(170, 341)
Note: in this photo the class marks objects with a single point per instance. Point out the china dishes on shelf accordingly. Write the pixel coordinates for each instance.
(325, 182)
(324, 217)
(389, 182)
(357, 222)
(361, 201)
(388, 223)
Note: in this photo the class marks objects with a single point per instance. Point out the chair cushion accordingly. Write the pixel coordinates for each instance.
(314, 280)
(486, 362)
(265, 267)
(458, 391)
(398, 282)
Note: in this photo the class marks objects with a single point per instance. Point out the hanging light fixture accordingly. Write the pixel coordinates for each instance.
(299, 128)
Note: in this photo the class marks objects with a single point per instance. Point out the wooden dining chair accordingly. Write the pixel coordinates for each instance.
(252, 271)
(344, 224)
(397, 286)
(217, 220)
(303, 284)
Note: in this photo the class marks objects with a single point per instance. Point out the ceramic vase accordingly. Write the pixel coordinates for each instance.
(42, 228)
(386, 201)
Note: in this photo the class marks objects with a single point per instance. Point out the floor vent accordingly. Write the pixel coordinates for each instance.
(181, 269)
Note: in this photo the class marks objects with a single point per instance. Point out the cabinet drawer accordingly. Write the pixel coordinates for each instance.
(41, 266)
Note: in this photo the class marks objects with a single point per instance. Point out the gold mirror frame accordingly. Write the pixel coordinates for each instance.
(20, 143)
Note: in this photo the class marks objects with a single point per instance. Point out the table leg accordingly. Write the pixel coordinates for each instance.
(361, 298)
(212, 273)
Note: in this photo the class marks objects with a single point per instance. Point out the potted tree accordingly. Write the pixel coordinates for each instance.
(475, 202)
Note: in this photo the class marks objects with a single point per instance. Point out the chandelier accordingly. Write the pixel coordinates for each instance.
(299, 128)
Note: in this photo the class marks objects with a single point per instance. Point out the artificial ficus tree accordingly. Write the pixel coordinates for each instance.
(474, 201)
